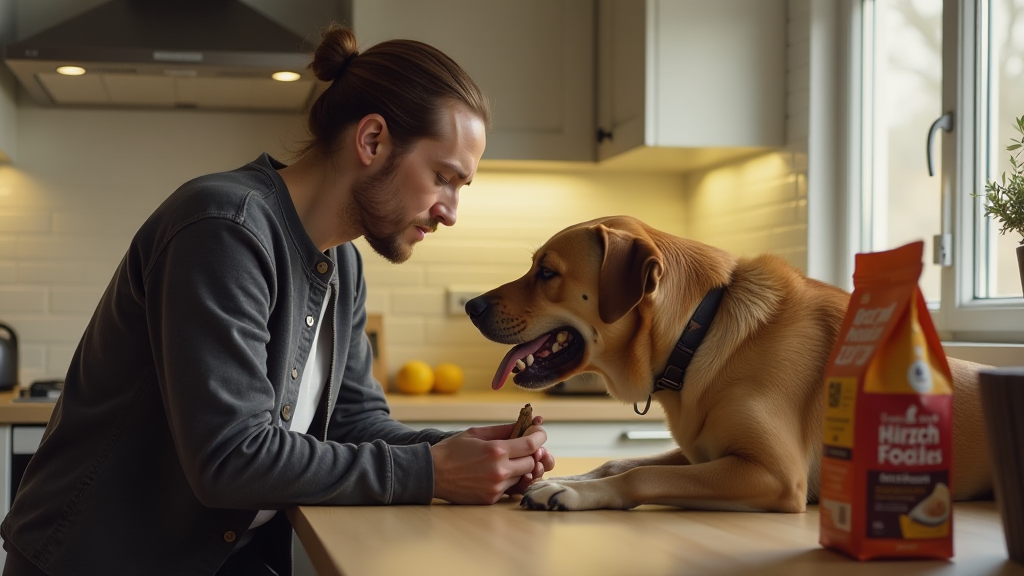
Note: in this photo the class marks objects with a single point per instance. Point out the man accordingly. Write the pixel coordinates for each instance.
(225, 374)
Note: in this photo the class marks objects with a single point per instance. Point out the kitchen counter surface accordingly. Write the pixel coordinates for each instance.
(12, 412)
(464, 406)
(504, 405)
(505, 539)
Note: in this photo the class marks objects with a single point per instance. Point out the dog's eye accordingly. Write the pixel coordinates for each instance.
(545, 273)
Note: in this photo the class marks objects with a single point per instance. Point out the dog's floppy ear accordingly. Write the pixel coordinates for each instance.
(630, 269)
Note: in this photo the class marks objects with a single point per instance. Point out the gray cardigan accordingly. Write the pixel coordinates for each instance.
(172, 429)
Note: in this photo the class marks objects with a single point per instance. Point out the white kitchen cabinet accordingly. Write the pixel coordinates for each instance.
(533, 58)
(604, 439)
(691, 75)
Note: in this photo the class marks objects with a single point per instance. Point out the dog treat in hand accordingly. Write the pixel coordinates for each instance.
(525, 418)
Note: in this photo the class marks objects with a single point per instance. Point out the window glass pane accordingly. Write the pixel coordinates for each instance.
(999, 277)
(907, 89)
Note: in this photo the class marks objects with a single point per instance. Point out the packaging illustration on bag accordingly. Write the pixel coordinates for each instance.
(887, 429)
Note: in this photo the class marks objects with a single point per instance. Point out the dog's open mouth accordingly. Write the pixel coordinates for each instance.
(541, 361)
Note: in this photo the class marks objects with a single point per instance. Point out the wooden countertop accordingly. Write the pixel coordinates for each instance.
(503, 406)
(12, 412)
(506, 540)
(464, 406)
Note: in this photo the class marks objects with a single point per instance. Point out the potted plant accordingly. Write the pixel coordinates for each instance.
(1004, 200)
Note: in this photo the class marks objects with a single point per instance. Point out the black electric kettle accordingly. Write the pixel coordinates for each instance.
(8, 358)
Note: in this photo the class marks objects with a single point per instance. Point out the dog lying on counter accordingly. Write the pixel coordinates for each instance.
(613, 295)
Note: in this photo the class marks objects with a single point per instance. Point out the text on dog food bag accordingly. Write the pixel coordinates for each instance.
(887, 446)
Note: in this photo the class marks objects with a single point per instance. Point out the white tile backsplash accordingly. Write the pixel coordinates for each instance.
(8, 272)
(493, 275)
(32, 358)
(429, 301)
(51, 272)
(399, 330)
(48, 329)
(25, 221)
(395, 275)
(78, 300)
(22, 300)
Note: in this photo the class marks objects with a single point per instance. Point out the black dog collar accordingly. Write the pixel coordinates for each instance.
(686, 347)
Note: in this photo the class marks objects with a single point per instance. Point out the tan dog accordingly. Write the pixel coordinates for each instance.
(613, 295)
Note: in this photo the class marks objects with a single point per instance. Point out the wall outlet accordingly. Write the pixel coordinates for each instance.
(459, 294)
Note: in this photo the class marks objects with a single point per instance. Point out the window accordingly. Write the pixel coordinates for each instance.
(921, 59)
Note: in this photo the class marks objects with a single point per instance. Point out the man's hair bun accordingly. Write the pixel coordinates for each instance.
(336, 50)
(408, 83)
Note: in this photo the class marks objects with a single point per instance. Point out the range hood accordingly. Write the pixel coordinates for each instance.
(207, 54)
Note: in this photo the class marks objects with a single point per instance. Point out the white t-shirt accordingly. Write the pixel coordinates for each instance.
(311, 388)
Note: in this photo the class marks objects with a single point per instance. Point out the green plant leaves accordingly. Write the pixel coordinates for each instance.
(1004, 200)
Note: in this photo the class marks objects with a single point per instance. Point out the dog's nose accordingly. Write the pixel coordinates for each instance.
(477, 306)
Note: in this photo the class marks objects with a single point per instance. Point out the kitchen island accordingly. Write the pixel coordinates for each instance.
(506, 540)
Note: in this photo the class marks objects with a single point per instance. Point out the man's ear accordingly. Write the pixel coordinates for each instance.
(372, 139)
(630, 269)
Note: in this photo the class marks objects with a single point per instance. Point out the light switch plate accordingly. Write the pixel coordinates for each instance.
(459, 294)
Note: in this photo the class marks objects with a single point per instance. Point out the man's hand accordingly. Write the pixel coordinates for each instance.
(480, 464)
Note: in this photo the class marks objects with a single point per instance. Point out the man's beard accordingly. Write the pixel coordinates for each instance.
(379, 206)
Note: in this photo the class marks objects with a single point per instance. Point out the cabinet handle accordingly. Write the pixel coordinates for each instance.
(646, 435)
(602, 135)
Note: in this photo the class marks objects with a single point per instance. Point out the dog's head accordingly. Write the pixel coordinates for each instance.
(573, 305)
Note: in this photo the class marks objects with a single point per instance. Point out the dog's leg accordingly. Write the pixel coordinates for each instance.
(672, 457)
(728, 483)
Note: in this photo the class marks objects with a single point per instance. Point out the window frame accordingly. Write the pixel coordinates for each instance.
(959, 316)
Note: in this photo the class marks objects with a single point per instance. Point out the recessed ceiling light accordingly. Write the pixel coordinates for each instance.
(71, 70)
(285, 76)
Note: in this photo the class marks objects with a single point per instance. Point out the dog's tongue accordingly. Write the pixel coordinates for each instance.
(518, 353)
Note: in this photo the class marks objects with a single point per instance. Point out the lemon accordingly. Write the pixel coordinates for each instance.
(448, 378)
(415, 377)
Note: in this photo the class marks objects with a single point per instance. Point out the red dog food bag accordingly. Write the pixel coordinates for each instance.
(887, 446)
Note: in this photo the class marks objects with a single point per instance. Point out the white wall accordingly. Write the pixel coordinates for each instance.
(752, 206)
(83, 183)
(86, 179)
(503, 218)
(760, 204)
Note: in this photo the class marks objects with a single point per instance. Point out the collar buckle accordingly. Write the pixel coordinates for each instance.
(672, 380)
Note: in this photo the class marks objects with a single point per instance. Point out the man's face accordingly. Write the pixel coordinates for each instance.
(411, 194)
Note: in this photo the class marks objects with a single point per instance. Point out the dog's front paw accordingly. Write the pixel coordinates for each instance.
(550, 495)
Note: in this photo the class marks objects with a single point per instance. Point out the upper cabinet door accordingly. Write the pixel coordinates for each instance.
(691, 74)
(533, 58)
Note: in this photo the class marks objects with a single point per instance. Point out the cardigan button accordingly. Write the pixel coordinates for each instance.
(229, 536)
(309, 320)
(322, 267)
(286, 412)
(295, 373)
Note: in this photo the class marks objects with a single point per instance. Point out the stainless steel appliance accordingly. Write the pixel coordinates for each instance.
(8, 358)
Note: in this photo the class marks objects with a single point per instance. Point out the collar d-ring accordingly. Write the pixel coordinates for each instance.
(646, 408)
